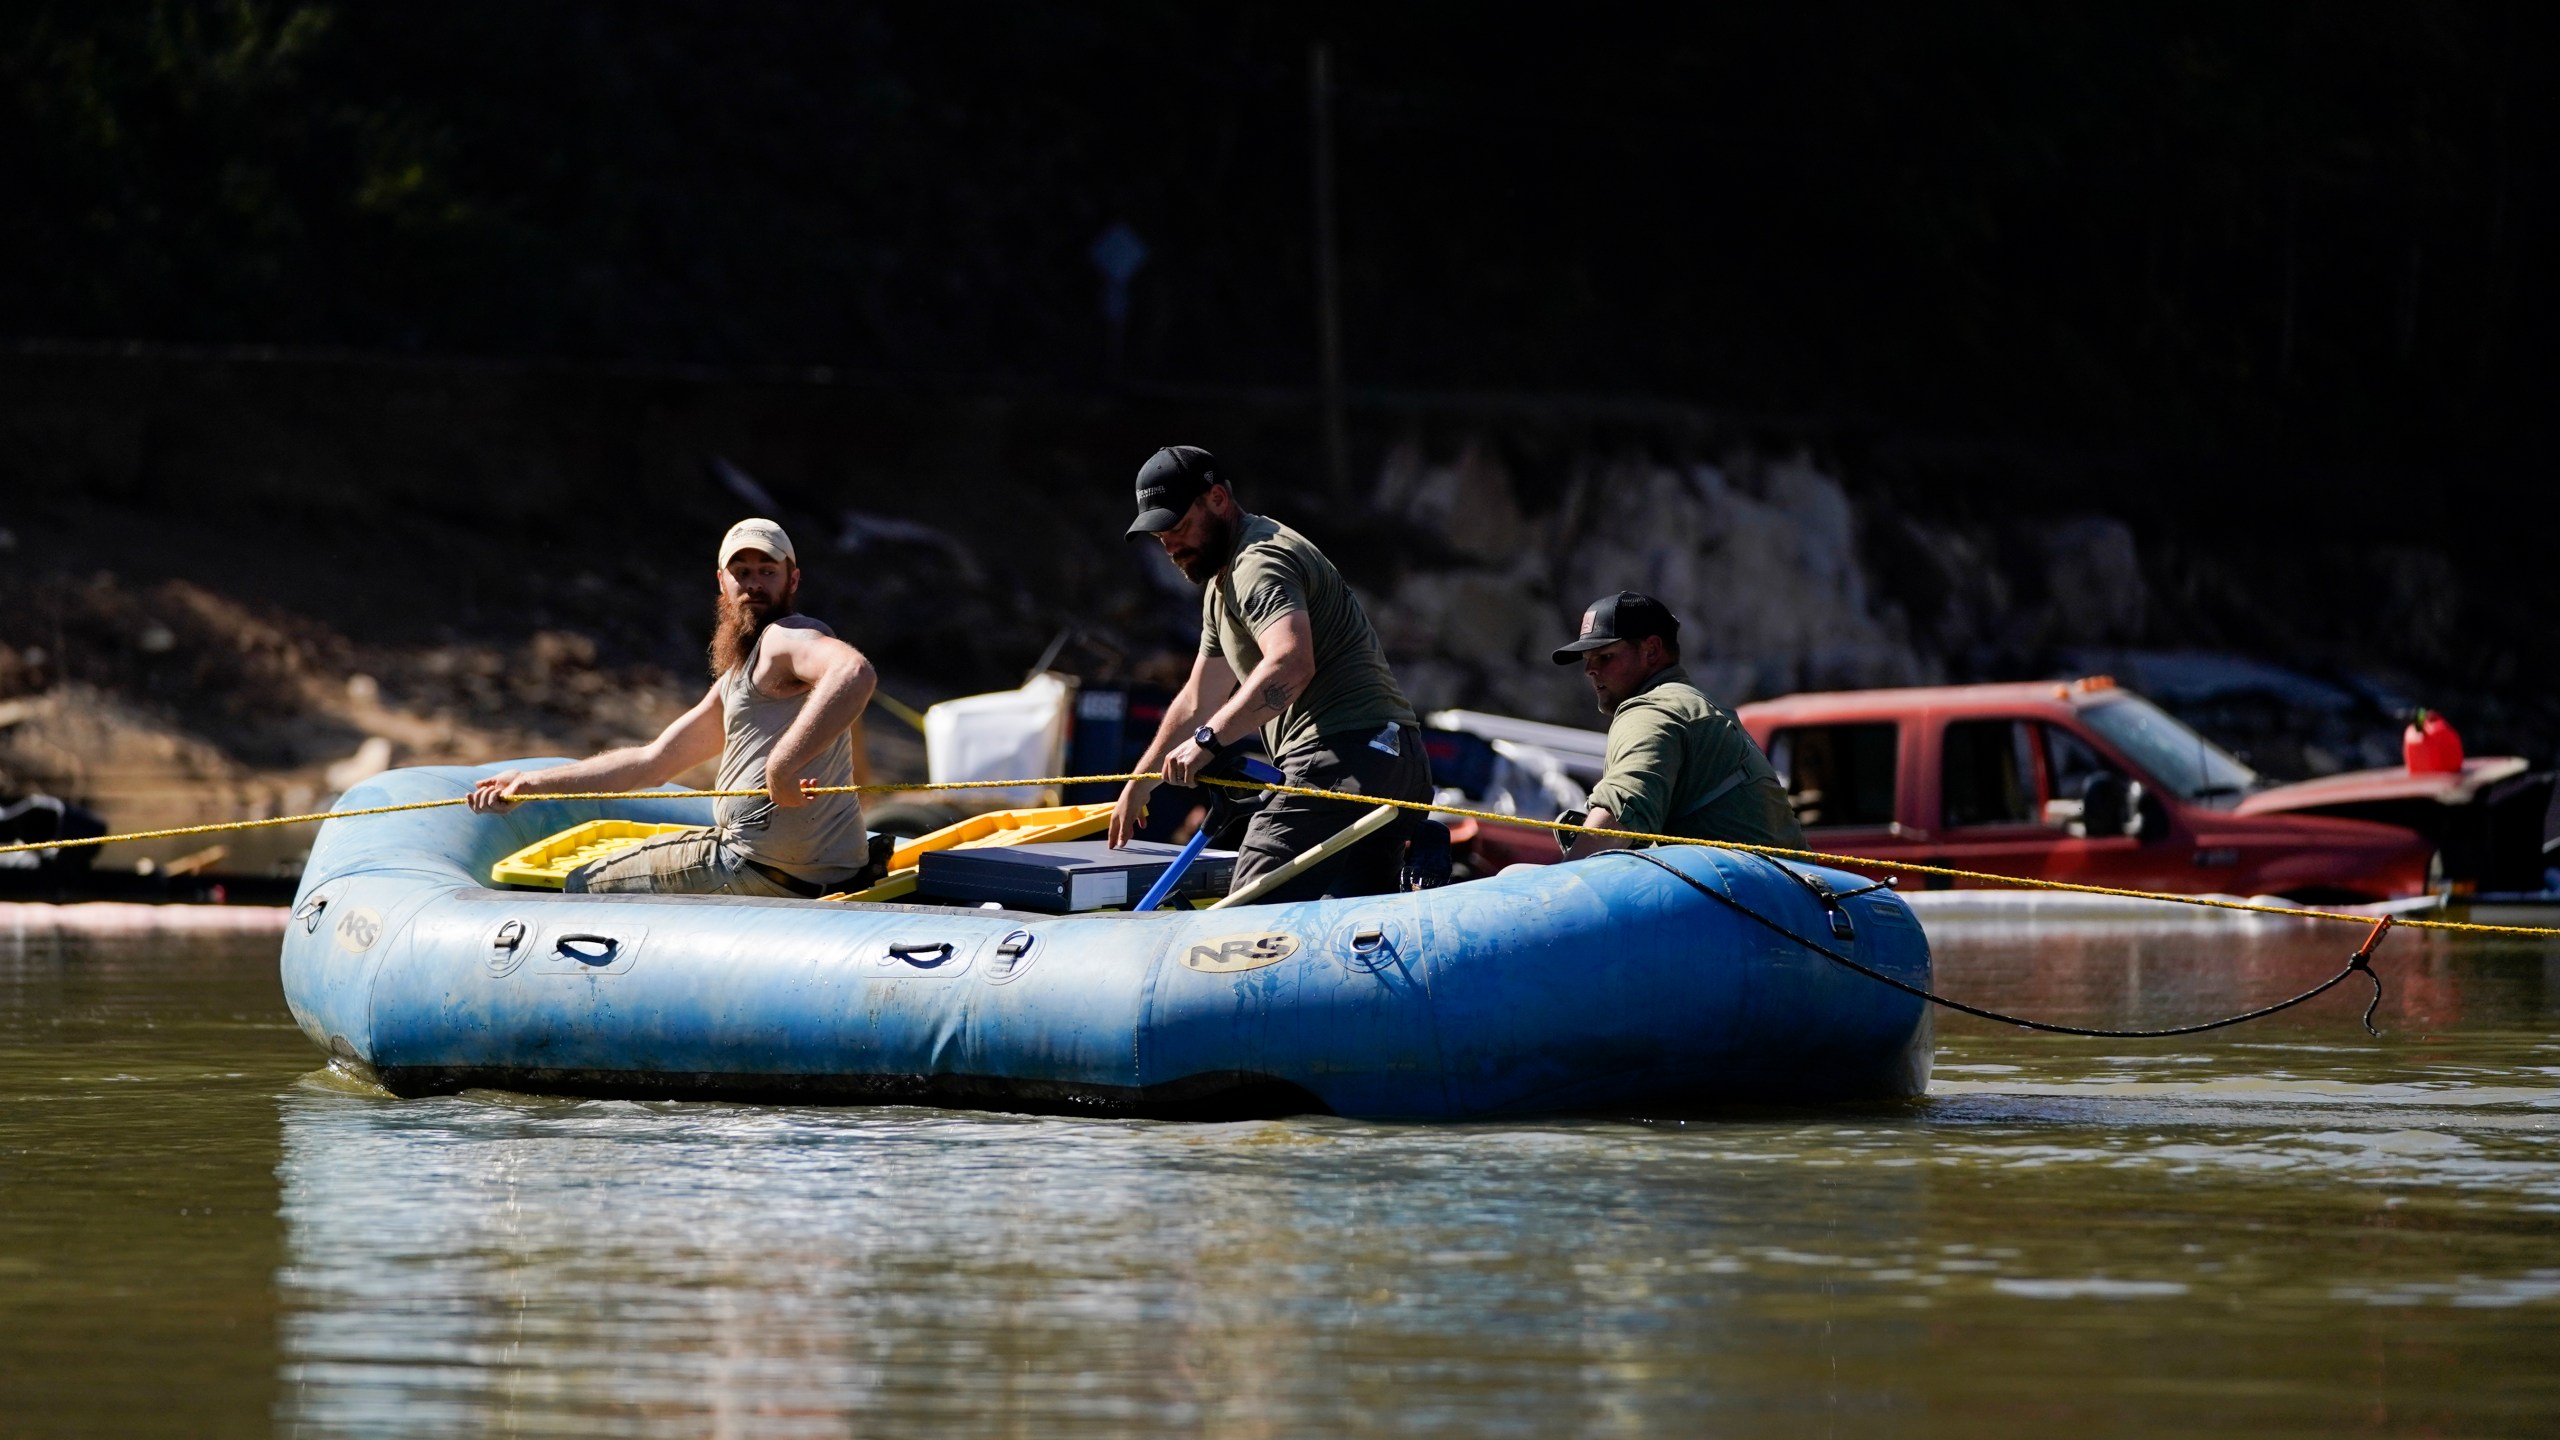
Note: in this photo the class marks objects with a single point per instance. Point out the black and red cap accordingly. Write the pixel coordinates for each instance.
(1623, 616)
(1171, 479)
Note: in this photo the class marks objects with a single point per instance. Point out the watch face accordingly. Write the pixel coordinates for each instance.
(1204, 737)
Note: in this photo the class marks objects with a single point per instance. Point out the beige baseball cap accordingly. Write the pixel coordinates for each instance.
(756, 534)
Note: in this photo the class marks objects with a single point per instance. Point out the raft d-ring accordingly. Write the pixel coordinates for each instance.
(309, 913)
(1012, 957)
(1374, 946)
(506, 948)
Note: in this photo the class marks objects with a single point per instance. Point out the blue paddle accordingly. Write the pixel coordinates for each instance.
(1173, 873)
(1172, 876)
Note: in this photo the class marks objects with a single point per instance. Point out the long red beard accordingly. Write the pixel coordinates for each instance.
(735, 626)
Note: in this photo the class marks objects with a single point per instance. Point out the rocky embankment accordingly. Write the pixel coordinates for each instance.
(165, 703)
(233, 586)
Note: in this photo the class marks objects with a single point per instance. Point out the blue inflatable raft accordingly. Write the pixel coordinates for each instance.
(1606, 985)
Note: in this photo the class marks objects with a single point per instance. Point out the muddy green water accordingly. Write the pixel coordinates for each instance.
(2290, 1229)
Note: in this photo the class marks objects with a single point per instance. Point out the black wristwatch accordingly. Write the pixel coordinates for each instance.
(1206, 739)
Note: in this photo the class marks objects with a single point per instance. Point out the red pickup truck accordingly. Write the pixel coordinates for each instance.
(2082, 782)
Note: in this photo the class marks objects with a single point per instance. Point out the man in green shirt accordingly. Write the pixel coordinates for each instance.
(1284, 645)
(1677, 765)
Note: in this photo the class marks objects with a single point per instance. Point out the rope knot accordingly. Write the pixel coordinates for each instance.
(2363, 960)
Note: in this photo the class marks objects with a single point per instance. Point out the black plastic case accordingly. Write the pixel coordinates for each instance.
(1068, 875)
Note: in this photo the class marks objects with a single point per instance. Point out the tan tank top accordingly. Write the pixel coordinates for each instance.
(821, 842)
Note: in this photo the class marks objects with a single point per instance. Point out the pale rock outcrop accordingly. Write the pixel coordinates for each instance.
(1772, 567)
(1476, 636)
(1765, 576)
(1761, 561)
(1467, 503)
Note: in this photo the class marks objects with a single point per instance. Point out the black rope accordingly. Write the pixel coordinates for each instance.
(2361, 960)
(1829, 897)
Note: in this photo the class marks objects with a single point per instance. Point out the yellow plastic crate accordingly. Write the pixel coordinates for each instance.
(545, 864)
(996, 827)
(1006, 827)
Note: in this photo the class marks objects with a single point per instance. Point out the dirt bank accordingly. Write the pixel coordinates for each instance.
(169, 705)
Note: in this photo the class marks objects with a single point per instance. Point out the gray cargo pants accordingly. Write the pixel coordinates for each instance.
(687, 862)
(1289, 824)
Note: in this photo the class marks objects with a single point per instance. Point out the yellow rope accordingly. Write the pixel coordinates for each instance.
(907, 714)
(1870, 863)
(222, 826)
(1853, 862)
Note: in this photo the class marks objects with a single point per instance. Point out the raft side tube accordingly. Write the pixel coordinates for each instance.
(1603, 985)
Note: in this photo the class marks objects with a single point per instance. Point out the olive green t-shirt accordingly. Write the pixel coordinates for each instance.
(1277, 571)
(1678, 765)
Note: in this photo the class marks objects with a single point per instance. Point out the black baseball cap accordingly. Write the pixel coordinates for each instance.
(1171, 479)
(1623, 616)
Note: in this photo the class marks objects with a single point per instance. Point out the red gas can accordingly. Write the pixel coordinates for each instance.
(2430, 745)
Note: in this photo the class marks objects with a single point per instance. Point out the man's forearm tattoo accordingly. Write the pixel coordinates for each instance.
(1275, 696)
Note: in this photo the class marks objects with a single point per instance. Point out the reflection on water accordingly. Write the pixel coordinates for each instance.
(2289, 1228)
(774, 1272)
(138, 1228)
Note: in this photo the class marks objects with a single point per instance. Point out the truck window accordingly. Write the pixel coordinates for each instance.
(1989, 774)
(2174, 755)
(1838, 775)
(2070, 764)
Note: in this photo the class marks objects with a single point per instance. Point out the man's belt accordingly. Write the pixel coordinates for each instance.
(805, 889)
(875, 865)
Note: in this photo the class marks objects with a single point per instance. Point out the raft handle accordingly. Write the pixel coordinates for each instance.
(1367, 937)
(309, 914)
(564, 946)
(911, 951)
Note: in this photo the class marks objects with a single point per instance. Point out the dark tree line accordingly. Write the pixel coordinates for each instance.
(2315, 234)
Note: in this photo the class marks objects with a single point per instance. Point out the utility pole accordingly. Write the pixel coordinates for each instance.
(1328, 272)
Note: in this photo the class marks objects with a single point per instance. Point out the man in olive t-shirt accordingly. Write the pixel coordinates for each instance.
(1284, 645)
(1677, 764)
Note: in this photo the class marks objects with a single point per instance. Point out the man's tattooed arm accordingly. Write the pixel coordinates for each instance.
(1275, 696)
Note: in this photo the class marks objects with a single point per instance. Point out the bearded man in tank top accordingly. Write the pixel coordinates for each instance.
(783, 699)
